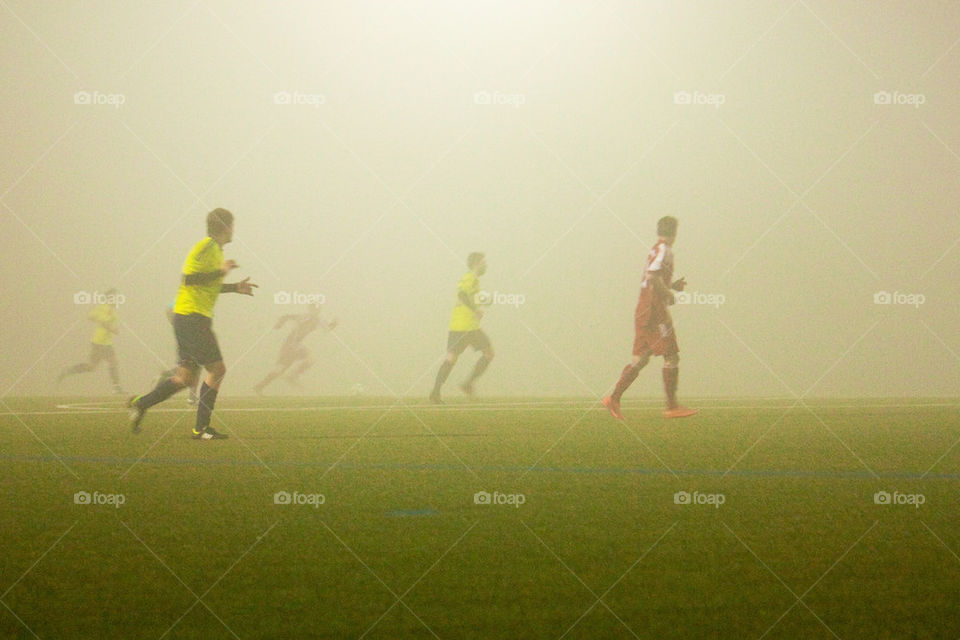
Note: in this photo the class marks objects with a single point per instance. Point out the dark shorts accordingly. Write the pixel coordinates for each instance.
(458, 341)
(100, 352)
(196, 343)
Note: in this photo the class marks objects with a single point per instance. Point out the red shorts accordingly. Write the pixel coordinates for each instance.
(656, 338)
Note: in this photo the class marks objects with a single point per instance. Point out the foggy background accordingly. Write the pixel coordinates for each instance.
(366, 148)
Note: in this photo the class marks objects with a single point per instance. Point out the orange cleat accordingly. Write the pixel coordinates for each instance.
(679, 412)
(613, 407)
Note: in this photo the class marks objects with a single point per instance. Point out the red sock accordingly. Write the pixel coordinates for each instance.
(670, 378)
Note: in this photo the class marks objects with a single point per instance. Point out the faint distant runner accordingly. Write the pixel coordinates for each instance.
(292, 351)
(653, 326)
(465, 329)
(201, 284)
(101, 344)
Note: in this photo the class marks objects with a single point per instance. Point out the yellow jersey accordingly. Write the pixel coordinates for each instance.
(464, 318)
(105, 315)
(206, 256)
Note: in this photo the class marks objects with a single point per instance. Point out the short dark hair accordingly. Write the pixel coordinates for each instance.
(218, 221)
(473, 259)
(667, 226)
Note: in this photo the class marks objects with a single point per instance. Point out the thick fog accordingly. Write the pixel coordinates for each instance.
(809, 149)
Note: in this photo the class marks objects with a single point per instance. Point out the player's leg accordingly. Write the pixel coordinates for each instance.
(112, 368)
(206, 401)
(208, 355)
(640, 358)
(456, 343)
(82, 367)
(671, 377)
(164, 388)
(188, 331)
(481, 343)
(283, 363)
(305, 362)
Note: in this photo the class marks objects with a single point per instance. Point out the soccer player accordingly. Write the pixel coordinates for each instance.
(292, 350)
(465, 329)
(101, 344)
(202, 282)
(654, 333)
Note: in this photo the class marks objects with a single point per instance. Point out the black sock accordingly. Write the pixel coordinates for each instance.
(208, 397)
(164, 389)
(478, 369)
(442, 376)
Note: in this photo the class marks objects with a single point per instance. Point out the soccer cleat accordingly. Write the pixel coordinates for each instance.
(435, 398)
(192, 398)
(136, 414)
(209, 434)
(613, 407)
(679, 412)
(467, 388)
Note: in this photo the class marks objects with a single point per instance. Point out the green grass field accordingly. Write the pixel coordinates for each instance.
(399, 548)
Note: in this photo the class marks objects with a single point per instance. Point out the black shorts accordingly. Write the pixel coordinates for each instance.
(458, 341)
(100, 352)
(196, 343)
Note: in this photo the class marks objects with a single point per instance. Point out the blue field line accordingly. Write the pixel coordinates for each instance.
(409, 466)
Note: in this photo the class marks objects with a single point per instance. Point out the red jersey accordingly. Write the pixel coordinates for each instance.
(651, 309)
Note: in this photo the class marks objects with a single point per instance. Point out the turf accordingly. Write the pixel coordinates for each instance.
(399, 548)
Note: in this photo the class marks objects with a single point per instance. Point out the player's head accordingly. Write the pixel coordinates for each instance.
(220, 225)
(477, 263)
(667, 228)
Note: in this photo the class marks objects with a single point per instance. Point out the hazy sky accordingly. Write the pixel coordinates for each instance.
(810, 149)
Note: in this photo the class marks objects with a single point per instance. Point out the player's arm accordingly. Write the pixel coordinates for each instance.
(660, 288)
(207, 277)
(244, 287)
(467, 300)
(679, 285)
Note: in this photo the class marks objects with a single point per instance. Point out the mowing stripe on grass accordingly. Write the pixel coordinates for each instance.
(408, 466)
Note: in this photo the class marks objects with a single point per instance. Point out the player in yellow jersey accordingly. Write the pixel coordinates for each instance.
(101, 344)
(465, 329)
(201, 284)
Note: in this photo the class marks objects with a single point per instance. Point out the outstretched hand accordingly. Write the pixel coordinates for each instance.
(246, 287)
(679, 285)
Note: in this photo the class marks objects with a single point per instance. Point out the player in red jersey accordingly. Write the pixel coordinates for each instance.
(293, 351)
(654, 333)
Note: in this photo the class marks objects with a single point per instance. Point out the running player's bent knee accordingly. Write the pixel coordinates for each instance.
(671, 361)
